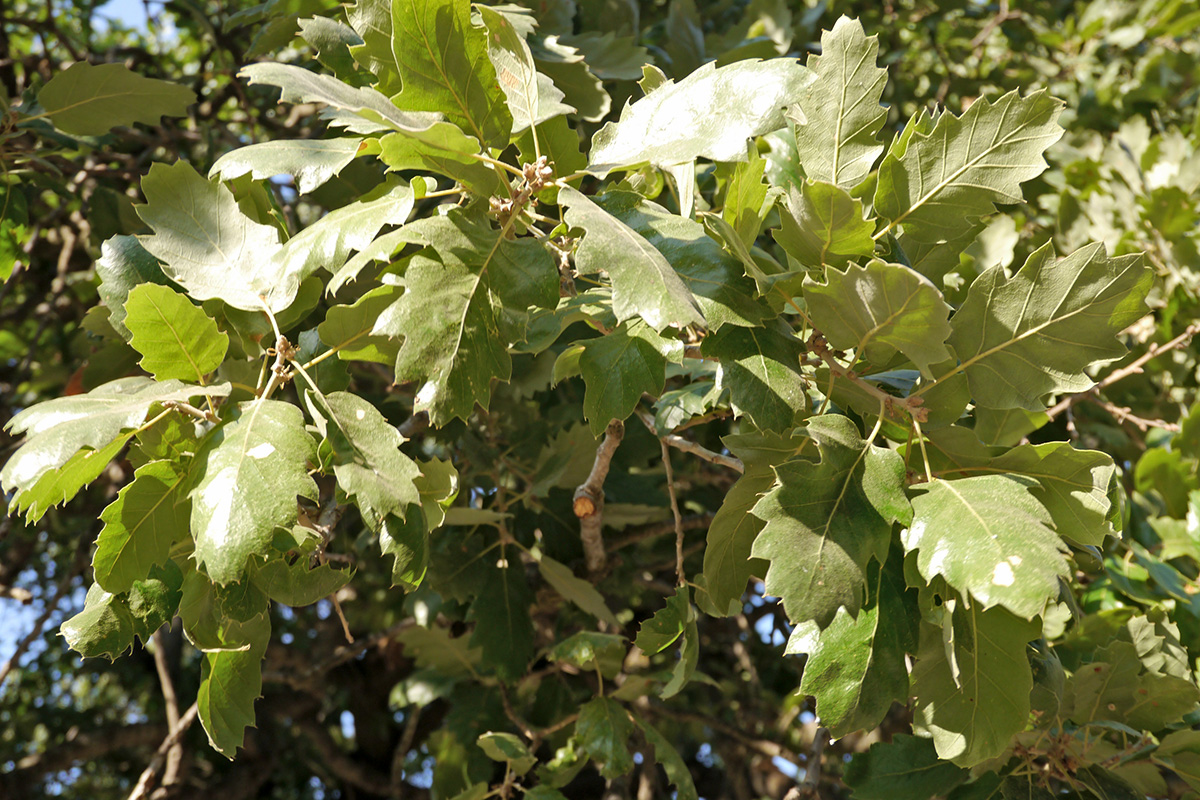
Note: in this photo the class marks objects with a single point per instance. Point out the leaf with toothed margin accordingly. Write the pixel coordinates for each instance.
(230, 682)
(328, 242)
(989, 537)
(826, 521)
(175, 337)
(973, 708)
(148, 517)
(207, 245)
(840, 113)
(644, 283)
(621, 366)
(91, 99)
(879, 309)
(1021, 338)
(443, 60)
(311, 162)
(249, 475)
(452, 312)
(675, 123)
(58, 429)
(367, 461)
(717, 280)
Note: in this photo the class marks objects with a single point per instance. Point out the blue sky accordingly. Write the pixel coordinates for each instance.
(131, 12)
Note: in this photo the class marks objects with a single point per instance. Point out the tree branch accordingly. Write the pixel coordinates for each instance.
(589, 499)
(173, 738)
(1132, 368)
(688, 446)
(175, 753)
(79, 747)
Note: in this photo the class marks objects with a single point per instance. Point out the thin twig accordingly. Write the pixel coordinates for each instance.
(911, 406)
(589, 499)
(1132, 368)
(810, 787)
(175, 754)
(688, 446)
(680, 578)
(173, 738)
(337, 606)
(400, 754)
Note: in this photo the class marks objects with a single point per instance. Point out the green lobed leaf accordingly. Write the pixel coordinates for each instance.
(604, 731)
(348, 329)
(367, 461)
(299, 85)
(731, 534)
(55, 487)
(689, 650)
(970, 712)
(940, 176)
(332, 41)
(1073, 484)
(451, 313)
(372, 21)
(230, 682)
(761, 369)
(103, 628)
(509, 749)
(590, 650)
(407, 540)
(124, 264)
(856, 666)
(443, 60)
(445, 150)
(989, 537)
(578, 591)
(1118, 686)
(90, 100)
(675, 123)
(666, 626)
(248, 478)
(879, 309)
(503, 629)
(1038, 332)
(297, 585)
(746, 199)
(207, 245)
(141, 525)
(672, 763)
(220, 619)
(328, 242)
(619, 367)
(825, 522)
(825, 226)
(571, 73)
(532, 97)
(153, 602)
(715, 279)
(840, 115)
(644, 283)
(176, 339)
(434, 648)
(58, 429)
(311, 162)
(906, 768)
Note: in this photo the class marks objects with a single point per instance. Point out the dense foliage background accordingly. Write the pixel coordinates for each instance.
(386, 692)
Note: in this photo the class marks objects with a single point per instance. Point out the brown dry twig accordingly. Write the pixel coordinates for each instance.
(589, 499)
(1134, 367)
